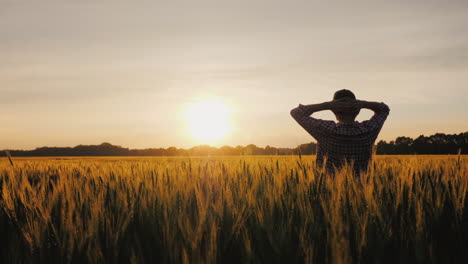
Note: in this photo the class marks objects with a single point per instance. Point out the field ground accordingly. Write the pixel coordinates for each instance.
(248, 209)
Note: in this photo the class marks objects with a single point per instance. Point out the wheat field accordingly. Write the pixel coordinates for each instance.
(256, 209)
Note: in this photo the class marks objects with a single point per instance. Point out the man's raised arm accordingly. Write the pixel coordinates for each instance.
(381, 112)
(336, 105)
(306, 110)
(314, 126)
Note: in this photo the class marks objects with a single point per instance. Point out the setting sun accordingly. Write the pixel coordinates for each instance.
(208, 121)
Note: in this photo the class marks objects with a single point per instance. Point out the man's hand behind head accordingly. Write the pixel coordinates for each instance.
(345, 105)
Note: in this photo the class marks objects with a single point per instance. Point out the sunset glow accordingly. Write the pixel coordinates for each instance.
(128, 73)
(208, 121)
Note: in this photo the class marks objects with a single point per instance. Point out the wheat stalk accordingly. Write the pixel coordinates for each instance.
(9, 158)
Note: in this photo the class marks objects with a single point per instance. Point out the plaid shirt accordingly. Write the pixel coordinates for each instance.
(342, 142)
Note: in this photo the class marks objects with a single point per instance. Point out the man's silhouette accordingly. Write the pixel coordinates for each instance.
(348, 140)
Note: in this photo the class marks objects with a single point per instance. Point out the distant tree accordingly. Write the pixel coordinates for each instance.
(307, 149)
(171, 151)
(403, 145)
(227, 151)
(270, 150)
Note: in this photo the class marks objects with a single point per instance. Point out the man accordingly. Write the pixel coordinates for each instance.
(347, 141)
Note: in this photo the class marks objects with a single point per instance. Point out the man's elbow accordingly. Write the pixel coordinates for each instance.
(292, 112)
(295, 113)
(385, 109)
(382, 109)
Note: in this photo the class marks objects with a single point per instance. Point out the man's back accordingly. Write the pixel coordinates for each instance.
(342, 142)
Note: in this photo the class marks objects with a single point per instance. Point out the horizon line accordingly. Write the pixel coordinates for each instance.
(207, 145)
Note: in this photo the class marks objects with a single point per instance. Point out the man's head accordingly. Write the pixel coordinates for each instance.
(346, 114)
(344, 94)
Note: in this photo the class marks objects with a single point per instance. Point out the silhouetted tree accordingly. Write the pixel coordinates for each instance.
(436, 144)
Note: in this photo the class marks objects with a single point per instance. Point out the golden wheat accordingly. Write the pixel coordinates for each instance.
(259, 209)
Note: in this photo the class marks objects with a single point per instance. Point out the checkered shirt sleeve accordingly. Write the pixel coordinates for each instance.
(318, 128)
(377, 121)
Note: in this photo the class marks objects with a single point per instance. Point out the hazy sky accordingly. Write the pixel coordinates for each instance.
(88, 71)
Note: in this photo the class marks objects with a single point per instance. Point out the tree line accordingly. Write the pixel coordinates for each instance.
(436, 144)
(107, 149)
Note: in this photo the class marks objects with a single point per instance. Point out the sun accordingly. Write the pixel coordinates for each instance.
(208, 121)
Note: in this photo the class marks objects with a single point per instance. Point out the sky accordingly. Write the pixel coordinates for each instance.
(127, 72)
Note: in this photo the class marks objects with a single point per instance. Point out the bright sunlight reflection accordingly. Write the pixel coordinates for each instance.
(208, 121)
